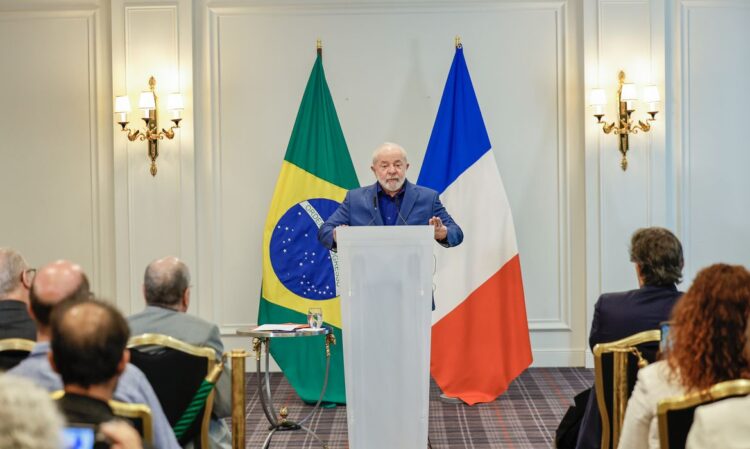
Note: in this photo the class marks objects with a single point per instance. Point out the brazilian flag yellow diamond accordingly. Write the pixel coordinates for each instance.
(298, 272)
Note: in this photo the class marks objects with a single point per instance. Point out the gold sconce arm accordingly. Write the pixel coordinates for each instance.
(623, 126)
(151, 133)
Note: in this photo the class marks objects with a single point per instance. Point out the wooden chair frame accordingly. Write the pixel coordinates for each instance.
(717, 392)
(199, 351)
(620, 350)
(16, 344)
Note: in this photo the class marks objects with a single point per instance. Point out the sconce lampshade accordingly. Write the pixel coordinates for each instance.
(628, 92)
(174, 102)
(597, 97)
(122, 104)
(147, 101)
(650, 94)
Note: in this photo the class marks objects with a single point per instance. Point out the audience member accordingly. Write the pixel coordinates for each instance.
(28, 417)
(89, 350)
(657, 255)
(64, 281)
(723, 424)
(15, 281)
(706, 345)
(166, 288)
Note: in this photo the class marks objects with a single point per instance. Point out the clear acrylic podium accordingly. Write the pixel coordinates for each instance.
(385, 285)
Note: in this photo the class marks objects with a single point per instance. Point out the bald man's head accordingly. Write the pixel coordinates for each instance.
(54, 283)
(165, 282)
(88, 342)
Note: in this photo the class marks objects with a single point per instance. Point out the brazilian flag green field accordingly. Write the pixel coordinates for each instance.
(298, 272)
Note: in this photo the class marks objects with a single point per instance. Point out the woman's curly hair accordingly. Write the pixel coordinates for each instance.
(708, 328)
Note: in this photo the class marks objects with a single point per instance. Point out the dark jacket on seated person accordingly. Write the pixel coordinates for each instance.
(81, 409)
(616, 316)
(15, 321)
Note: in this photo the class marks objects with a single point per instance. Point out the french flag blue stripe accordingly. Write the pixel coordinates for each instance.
(459, 137)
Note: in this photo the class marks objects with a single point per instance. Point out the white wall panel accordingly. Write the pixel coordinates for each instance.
(623, 35)
(155, 216)
(714, 50)
(53, 153)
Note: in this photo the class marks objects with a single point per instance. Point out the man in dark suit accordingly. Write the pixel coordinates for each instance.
(657, 255)
(392, 200)
(15, 281)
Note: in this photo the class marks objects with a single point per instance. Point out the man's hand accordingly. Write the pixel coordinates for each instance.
(121, 434)
(441, 232)
(334, 230)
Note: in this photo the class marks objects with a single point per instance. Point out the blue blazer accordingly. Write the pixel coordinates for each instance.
(360, 208)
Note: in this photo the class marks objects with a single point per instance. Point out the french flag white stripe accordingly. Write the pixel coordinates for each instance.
(477, 202)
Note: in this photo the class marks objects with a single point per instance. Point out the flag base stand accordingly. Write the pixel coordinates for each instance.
(450, 399)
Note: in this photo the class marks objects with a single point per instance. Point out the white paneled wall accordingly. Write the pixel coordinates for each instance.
(154, 215)
(55, 166)
(75, 187)
(711, 53)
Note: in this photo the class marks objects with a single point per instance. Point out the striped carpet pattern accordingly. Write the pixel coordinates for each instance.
(524, 417)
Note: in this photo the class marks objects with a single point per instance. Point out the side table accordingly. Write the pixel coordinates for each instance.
(261, 339)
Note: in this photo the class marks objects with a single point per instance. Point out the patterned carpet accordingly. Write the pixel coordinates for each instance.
(526, 416)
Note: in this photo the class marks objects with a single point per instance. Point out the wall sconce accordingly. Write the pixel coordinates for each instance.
(148, 104)
(624, 126)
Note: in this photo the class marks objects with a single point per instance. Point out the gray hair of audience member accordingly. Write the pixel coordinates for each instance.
(28, 417)
(165, 282)
(387, 146)
(658, 254)
(12, 265)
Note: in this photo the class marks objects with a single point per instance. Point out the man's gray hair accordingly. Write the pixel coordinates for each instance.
(12, 265)
(165, 286)
(28, 417)
(388, 146)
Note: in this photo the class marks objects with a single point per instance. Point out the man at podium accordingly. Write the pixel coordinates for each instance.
(391, 201)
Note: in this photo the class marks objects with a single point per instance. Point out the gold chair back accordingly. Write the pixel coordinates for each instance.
(680, 410)
(138, 414)
(150, 340)
(13, 351)
(619, 387)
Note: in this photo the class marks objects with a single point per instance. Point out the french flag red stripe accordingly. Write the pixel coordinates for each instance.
(475, 358)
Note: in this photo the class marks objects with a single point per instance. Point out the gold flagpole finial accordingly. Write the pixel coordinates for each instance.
(319, 46)
(458, 42)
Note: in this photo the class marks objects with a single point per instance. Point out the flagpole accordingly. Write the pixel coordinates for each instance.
(319, 47)
(458, 42)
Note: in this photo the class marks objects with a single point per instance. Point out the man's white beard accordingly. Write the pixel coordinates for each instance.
(393, 186)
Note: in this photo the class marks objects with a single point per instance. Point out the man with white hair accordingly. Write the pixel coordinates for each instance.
(15, 281)
(391, 201)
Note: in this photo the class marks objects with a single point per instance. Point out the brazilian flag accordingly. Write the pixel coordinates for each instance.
(298, 272)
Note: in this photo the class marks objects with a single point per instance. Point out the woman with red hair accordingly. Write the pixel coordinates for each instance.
(706, 344)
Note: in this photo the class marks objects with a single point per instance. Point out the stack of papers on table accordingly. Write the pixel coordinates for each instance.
(287, 327)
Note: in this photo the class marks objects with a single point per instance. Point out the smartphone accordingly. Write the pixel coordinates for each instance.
(664, 342)
(83, 436)
(79, 436)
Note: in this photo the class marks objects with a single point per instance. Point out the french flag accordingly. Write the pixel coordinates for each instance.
(480, 335)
